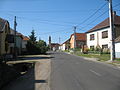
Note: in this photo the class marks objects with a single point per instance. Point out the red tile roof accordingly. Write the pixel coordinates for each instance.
(105, 24)
(25, 38)
(80, 36)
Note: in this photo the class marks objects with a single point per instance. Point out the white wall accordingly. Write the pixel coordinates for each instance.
(117, 50)
(63, 47)
(98, 38)
(24, 44)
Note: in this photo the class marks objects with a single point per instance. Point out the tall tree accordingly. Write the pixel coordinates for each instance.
(32, 36)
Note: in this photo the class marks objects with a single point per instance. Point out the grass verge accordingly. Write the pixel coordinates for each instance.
(101, 57)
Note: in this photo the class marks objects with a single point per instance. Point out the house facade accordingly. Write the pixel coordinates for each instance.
(100, 35)
(55, 46)
(19, 38)
(4, 41)
(80, 40)
(24, 43)
(65, 45)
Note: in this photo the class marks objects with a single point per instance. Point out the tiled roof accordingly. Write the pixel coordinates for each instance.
(105, 24)
(2, 23)
(25, 38)
(117, 39)
(19, 34)
(80, 36)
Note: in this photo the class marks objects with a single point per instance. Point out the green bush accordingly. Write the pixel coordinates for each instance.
(37, 48)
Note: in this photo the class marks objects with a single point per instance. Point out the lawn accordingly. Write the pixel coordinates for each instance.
(102, 57)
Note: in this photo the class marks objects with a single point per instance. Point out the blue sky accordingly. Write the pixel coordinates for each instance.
(55, 18)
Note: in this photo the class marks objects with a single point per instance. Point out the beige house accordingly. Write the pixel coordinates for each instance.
(80, 40)
(4, 41)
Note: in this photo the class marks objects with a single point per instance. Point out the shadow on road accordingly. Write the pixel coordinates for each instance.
(34, 58)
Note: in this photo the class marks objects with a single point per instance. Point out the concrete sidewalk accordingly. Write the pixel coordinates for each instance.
(37, 78)
(42, 75)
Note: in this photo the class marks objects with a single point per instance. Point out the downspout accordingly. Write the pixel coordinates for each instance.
(97, 39)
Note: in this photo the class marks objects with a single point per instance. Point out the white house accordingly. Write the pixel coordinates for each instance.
(65, 45)
(117, 47)
(100, 35)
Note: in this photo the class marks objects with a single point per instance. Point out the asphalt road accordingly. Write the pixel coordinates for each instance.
(70, 72)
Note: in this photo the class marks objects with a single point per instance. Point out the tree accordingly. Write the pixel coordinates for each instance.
(36, 47)
(42, 46)
(32, 37)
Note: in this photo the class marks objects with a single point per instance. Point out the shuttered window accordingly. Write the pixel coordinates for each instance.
(92, 37)
(105, 34)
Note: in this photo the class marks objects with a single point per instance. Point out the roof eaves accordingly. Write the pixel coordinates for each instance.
(96, 29)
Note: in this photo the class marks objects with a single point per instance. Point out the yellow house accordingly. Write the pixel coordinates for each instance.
(80, 40)
(4, 32)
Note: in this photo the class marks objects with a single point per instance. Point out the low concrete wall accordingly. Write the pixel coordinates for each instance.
(117, 54)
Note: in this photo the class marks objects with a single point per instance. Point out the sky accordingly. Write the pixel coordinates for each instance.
(55, 18)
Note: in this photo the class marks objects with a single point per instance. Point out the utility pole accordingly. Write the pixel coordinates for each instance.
(15, 51)
(112, 52)
(59, 43)
(75, 37)
(50, 42)
(59, 40)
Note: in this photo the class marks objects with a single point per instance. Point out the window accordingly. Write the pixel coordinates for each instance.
(105, 34)
(92, 37)
(105, 46)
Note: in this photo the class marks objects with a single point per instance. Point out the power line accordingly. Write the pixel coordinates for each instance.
(45, 22)
(116, 5)
(23, 0)
(93, 14)
(58, 11)
(55, 31)
(95, 19)
(99, 16)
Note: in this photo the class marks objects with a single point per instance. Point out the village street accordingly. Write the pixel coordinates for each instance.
(71, 72)
(67, 72)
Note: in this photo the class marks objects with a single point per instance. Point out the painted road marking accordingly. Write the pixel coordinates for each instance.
(95, 72)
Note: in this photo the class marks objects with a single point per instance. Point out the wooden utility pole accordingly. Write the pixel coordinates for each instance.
(59, 43)
(75, 37)
(50, 43)
(59, 40)
(15, 48)
(112, 52)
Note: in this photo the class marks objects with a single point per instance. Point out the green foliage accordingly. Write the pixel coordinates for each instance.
(77, 49)
(36, 47)
(32, 37)
(98, 48)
